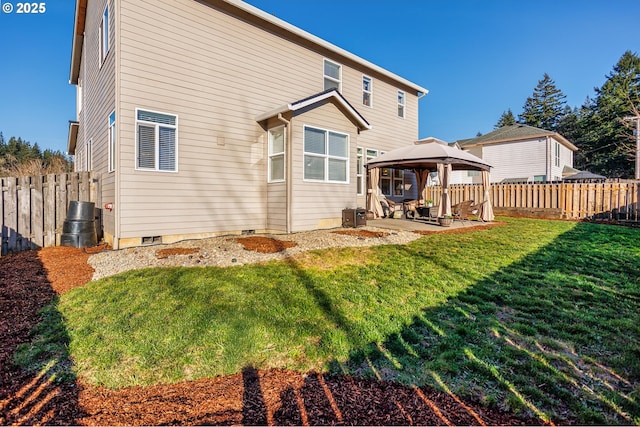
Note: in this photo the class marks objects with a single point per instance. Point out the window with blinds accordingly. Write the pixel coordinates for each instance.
(156, 141)
(326, 155)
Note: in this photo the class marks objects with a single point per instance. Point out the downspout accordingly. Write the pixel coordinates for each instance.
(287, 156)
(549, 159)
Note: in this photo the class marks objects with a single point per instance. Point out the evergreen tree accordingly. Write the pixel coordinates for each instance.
(545, 107)
(607, 142)
(506, 119)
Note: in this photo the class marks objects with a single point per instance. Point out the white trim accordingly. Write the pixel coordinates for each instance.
(403, 104)
(89, 157)
(325, 95)
(283, 153)
(326, 77)
(360, 175)
(111, 142)
(156, 140)
(103, 31)
(326, 156)
(370, 91)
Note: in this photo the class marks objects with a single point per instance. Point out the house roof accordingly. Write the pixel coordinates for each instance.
(241, 8)
(513, 133)
(331, 94)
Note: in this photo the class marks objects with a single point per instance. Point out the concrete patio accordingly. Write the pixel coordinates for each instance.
(411, 225)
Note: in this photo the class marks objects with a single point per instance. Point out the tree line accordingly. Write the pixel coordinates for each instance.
(600, 128)
(21, 158)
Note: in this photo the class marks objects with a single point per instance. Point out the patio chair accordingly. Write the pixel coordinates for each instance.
(474, 209)
(461, 211)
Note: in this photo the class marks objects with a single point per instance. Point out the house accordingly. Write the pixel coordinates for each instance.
(208, 117)
(519, 153)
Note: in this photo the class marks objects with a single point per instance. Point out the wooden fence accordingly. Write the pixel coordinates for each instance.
(608, 200)
(33, 208)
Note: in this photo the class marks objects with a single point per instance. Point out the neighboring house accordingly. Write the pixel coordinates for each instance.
(209, 117)
(519, 153)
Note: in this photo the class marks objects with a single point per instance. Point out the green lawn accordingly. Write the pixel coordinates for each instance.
(537, 317)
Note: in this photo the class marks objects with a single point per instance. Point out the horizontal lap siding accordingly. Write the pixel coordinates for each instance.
(516, 160)
(317, 204)
(98, 92)
(217, 73)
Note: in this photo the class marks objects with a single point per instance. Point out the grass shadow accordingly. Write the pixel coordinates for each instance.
(554, 336)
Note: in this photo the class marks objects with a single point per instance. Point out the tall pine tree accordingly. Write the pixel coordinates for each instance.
(545, 107)
(607, 144)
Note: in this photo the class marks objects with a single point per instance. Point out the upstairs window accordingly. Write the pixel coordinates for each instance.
(367, 91)
(401, 104)
(557, 154)
(104, 34)
(156, 141)
(332, 75)
(276, 154)
(326, 155)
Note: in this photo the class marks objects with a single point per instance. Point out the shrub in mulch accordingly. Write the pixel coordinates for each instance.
(265, 245)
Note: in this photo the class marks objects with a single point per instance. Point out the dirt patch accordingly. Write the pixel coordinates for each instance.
(166, 253)
(367, 234)
(252, 397)
(265, 245)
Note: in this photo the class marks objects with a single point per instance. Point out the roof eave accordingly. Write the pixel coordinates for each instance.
(73, 137)
(78, 40)
(298, 105)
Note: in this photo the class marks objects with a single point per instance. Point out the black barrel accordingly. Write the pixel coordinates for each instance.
(79, 229)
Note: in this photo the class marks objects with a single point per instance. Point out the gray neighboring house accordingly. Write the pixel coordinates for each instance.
(208, 117)
(519, 153)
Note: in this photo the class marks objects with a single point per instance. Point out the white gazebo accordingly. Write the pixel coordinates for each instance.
(423, 157)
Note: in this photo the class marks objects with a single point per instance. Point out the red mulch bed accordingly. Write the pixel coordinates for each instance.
(31, 280)
(265, 245)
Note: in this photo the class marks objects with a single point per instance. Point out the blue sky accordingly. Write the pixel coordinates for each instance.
(477, 58)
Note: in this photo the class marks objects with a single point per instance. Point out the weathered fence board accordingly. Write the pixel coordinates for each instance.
(33, 209)
(608, 200)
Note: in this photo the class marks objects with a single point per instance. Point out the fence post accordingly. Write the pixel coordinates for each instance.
(37, 213)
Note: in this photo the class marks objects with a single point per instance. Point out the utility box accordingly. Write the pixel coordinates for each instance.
(352, 218)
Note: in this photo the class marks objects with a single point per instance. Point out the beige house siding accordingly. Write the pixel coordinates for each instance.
(319, 204)
(98, 101)
(216, 73)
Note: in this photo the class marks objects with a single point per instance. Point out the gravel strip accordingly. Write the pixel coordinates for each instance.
(225, 251)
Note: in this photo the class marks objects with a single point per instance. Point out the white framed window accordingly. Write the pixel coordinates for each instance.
(367, 91)
(392, 182)
(360, 170)
(276, 164)
(332, 75)
(104, 34)
(557, 154)
(326, 155)
(156, 141)
(401, 104)
(89, 155)
(111, 166)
